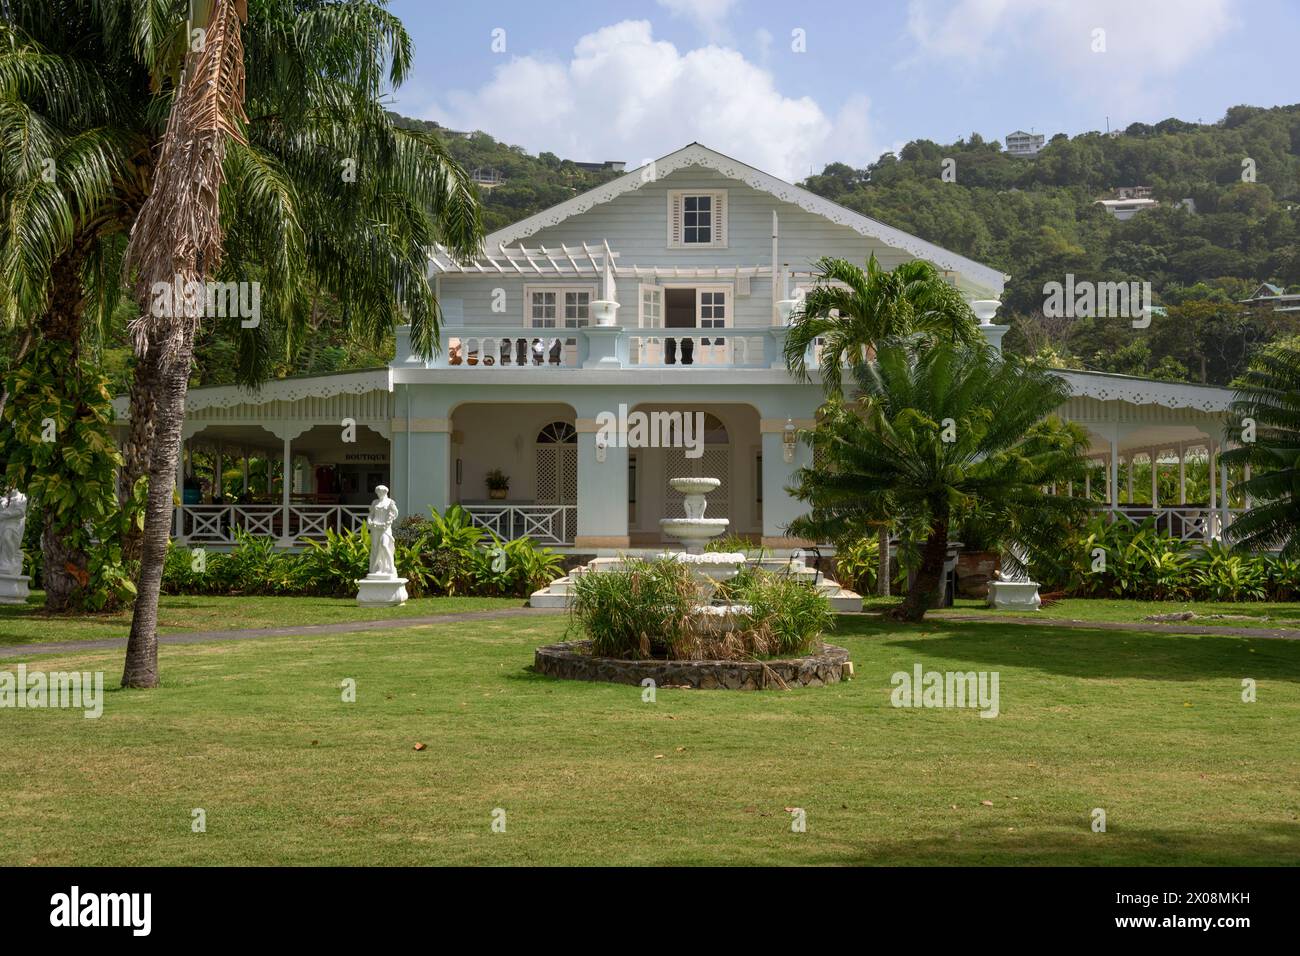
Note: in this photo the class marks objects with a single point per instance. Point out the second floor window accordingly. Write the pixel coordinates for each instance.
(697, 220)
(559, 308)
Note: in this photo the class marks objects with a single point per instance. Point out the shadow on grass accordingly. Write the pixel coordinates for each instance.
(994, 844)
(1088, 653)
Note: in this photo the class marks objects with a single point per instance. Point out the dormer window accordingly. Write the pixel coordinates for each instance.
(697, 219)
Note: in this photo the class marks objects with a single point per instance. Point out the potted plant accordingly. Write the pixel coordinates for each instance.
(498, 483)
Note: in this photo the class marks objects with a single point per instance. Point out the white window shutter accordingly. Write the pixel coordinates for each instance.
(674, 219)
(720, 219)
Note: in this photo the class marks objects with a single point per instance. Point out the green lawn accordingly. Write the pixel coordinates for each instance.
(28, 624)
(1244, 614)
(1150, 727)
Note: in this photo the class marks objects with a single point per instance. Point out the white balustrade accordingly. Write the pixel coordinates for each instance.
(217, 524)
(545, 524)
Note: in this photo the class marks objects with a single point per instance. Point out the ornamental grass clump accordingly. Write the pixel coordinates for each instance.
(643, 610)
(658, 609)
(786, 617)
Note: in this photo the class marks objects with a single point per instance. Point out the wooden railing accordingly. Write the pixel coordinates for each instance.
(217, 524)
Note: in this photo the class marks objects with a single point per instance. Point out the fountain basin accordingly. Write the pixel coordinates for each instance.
(693, 532)
(695, 486)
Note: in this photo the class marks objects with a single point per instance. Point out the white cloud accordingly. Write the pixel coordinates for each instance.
(1145, 41)
(709, 15)
(625, 95)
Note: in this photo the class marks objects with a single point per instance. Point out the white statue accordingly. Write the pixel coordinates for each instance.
(383, 515)
(13, 520)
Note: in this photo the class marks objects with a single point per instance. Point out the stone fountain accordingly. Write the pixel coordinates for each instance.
(694, 529)
(708, 568)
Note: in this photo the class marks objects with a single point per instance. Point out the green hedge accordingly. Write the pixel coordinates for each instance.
(444, 554)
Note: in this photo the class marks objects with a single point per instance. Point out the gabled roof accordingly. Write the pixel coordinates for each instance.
(1265, 290)
(979, 275)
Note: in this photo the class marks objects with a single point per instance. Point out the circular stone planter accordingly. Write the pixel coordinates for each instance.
(570, 660)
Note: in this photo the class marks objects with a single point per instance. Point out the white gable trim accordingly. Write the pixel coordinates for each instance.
(982, 276)
(1144, 391)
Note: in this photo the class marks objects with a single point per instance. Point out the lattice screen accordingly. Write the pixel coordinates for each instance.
(568, 480)
(548, 485)
(557, 474)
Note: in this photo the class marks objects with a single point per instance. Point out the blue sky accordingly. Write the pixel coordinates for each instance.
(634, 80)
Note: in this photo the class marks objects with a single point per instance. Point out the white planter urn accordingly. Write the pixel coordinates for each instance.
(785, 309)
(1014, 595)
(985, 309)
(605, 312)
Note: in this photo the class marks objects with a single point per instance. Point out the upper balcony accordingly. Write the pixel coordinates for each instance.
(522, 314)
(530, 351)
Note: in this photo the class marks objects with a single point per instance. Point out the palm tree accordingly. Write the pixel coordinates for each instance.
(938, 429)
(324, 195)
(1268, 396)
(848, 311)
(319, 192)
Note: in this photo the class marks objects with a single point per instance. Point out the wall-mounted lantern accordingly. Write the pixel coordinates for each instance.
(458, 472)
(788, 439)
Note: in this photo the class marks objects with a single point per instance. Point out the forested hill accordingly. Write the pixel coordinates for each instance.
(1035, 219)
(530, 183)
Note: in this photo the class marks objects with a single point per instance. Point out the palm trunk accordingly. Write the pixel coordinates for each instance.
(146, 386)
(882, 570)
(142, 647)
(177, 239)
(925, 586)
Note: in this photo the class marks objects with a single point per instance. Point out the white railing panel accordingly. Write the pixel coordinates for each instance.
(545, 524)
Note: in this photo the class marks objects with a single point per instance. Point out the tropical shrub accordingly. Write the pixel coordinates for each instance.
(331, 568)
(441, 555)
(857, 564)
(1120, 559)
(1224, 576)
(58, 448)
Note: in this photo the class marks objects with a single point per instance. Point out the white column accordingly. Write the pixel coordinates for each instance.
(285, 536)
(179, 517)
(1211, 518)
(1087, 482)
(1129, 481)
(1155, 455)
(218, 464)
(1182, 474)
(245, 469)
(1223, 493)
(1112, 490)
